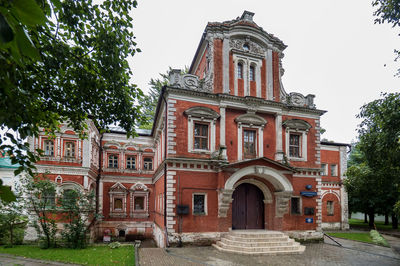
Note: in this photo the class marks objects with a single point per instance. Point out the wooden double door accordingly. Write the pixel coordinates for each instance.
(247, 207)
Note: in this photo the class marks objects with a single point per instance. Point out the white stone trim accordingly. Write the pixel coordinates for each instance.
(303, 143)
(279, 146)
(225, 65)
(270, 81)
(211, 134)
(205, 204)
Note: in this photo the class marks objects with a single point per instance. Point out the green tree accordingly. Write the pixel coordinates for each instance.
(375, 171)
(150, 100)
(77, 208)
(388, 11)
(64, 60)
(13, 222)
(40, 201)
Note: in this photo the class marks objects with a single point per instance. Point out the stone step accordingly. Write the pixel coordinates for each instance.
(299, 250)
(258, 243)
(258, 249)
(256, 233)
(244, 238)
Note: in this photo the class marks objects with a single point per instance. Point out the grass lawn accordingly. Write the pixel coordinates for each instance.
(356, 223)
(362, 237)
(93, 255)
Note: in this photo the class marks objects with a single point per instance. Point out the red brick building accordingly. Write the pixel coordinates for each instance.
(229, 149)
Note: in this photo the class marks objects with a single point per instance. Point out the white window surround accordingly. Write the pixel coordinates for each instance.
(139, 190)
(205, 204)
(118, 191)
(250, 121)
(247, 61)
(202, 115)
(334, 170)
(297, 126)
(324, 167)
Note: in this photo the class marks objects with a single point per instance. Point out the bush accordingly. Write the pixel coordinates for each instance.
(114, 245)
(18, 237)
(378, 239)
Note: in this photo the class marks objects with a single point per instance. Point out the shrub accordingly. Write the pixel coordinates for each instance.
(114, 245)
(378, 239)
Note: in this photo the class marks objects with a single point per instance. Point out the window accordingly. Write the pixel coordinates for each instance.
(139, 203)
(294, 145)
(252, 73)
(113, 161)
(295, 206)
(199, 204)
(70, 196)
(117, 204)
(48, 148)
(148, 163)
(200, 136)
(131, 162)
(329, 208)
(69, 149)
(240, 71)
(324, 166)
(333, 170)
(249, 143)
(49, 198)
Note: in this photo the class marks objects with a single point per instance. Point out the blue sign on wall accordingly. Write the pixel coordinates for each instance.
(308, 194)
(309, 220)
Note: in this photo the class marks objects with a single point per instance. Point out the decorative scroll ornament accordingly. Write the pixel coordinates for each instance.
(186, 81)
(201, 112)
(298, 99)
(139, 186)
(296, 124)
(251, 119)
(247, 46)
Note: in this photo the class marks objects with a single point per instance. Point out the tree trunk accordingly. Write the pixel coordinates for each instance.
(386, 219)
(395, 222)
(371, 216)
(365, 218)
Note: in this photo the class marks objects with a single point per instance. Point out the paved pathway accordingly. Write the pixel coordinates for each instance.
(8, 260)
(328, 253)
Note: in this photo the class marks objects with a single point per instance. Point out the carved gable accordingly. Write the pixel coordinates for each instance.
(296, 124)
(251, 119)
(202, 112)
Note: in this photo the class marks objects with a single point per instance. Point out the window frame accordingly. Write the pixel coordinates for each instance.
(134, 163)
(330, 210)
(297, 146)
(66, 143)
(303, 144)
(45, 145)
(324, 167)
(299, 213)
(146, 163)
(240, 70)
(334, 170)
(255, 143)
(207, 138)
(113, 164)
(211, 134)
(252, 73)
(205, 211)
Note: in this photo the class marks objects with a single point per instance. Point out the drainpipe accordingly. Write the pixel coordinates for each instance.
(165, 166)
(99, 174)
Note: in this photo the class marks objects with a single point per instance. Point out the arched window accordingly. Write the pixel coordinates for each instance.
(240, 71)
(252, 73)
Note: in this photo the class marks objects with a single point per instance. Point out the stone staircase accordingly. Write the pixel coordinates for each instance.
(258, 242)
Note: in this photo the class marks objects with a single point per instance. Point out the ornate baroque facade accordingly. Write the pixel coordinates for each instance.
(229, 149)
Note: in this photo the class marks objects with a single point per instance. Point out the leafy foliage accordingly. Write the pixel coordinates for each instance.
(39, 193)
(12, 223)
(77, 208)
(388, 11)
(374, 172)
(150, 100)
(64, 61)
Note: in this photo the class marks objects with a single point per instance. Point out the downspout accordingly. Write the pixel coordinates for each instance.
(165, 166)
(99, 175)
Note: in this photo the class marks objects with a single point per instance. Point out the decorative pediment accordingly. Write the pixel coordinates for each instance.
(251, 119)
(139, 186)
(118, 188)
(202, 112)
(298, 99)
(296, 124)
(246, 45)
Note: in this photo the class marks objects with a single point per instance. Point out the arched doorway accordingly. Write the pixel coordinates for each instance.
(247, 207)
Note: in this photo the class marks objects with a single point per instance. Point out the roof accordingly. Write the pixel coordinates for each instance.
(331, 143)
(120, 130)
(5, 162)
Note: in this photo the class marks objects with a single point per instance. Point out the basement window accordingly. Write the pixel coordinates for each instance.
(199, 204)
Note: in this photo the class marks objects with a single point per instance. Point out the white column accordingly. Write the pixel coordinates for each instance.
(213, 133)
(279, 146)
(222, 125)
(240, 152)
(258, 79)
(270, 83)
(190, 133)
(225, 64)
(246, 80)
(260, 142)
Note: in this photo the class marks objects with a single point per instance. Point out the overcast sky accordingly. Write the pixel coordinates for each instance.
(335, 51)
